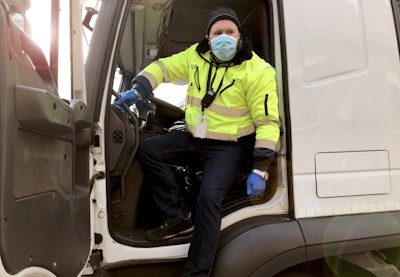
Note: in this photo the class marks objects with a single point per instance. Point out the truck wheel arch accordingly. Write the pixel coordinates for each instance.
(262, 247)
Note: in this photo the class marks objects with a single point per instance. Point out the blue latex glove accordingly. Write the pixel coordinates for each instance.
(128, 97)
(255, 185)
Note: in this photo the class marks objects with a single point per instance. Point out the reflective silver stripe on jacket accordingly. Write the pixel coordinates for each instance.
(231, 112)
(222, 136)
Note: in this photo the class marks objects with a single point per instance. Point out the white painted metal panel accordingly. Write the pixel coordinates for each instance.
(344, 91)
(352, 173)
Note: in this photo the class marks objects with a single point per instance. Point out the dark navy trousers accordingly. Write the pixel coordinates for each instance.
(221, 161)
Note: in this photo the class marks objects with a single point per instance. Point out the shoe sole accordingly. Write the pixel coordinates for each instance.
(186, 231)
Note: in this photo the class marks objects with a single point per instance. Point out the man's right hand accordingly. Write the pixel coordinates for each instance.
(128, 97)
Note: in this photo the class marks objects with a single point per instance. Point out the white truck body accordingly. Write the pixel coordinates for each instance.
(73, 197)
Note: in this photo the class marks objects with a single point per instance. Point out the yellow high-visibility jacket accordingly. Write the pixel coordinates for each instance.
(246, 99)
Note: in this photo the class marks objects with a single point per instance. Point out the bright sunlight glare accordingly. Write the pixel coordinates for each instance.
(39, 17)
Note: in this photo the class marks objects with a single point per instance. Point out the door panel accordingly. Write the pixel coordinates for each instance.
(44, 162)
(343, 81)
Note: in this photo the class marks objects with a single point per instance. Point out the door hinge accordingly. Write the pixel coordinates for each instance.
(93, 263)
(95, 258)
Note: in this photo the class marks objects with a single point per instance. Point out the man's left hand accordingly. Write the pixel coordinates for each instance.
(255, 185)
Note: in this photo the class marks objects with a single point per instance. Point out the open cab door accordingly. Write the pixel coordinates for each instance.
(44, 147)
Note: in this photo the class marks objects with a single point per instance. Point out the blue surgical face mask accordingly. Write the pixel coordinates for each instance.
(224, 47)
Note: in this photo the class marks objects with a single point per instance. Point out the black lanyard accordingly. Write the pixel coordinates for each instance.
(210, 93)
(210, 81)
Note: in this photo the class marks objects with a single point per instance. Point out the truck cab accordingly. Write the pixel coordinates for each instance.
(73, 197)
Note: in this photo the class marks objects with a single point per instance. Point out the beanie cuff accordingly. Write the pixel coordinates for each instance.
(222, 13)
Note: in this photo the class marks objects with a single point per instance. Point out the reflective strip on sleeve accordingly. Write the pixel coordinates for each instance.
(150, 77)
(164, 71)
(267, 121)
(265, 143)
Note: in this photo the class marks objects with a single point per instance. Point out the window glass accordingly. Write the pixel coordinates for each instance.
(39, 20)
(331, 47)
(172, 93)
(34, 17)
(37, 24)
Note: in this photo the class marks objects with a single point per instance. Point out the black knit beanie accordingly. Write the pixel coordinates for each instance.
(221, 13)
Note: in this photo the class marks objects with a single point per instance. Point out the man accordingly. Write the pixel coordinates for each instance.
(231, 100)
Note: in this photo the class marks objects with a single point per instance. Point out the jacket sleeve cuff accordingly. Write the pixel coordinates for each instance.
(263, 158)
(143, 86)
